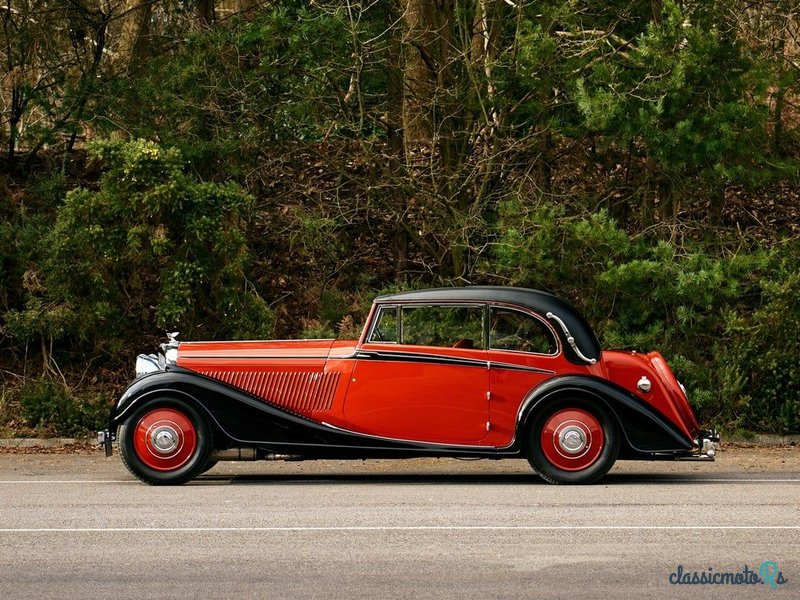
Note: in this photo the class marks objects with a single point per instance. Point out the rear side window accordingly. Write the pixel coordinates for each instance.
(521, 332)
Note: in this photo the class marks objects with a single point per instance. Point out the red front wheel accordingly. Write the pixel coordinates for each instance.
(165, 442)
(573, 441)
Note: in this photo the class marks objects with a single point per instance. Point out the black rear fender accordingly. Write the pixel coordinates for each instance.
(644, 429)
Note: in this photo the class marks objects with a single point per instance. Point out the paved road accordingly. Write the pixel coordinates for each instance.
(81, 527)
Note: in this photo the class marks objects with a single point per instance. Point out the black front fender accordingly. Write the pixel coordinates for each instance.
(644, 428)
(242, 418)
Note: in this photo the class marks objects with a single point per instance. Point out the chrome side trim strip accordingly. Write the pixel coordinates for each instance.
(390, 355)
(406, 441)
(253, 357)
(513, 367)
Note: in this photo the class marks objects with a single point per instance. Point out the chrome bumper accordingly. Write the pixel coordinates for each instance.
(705, 446)
(106, 438)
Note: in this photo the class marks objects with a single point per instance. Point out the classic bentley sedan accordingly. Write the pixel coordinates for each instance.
(478, 372)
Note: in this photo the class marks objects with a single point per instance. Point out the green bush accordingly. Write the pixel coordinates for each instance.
(761, 358)
(151, 248)
(51, 406)
(667, 100)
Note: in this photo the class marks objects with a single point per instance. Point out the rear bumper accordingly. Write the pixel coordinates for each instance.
(705, 446)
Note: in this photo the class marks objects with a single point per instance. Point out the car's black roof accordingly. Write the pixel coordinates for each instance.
(538, 301)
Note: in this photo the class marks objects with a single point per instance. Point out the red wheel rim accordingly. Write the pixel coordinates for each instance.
(164, 439)
(572, 439)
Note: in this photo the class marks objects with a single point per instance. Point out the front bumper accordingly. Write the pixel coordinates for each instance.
(106, 439)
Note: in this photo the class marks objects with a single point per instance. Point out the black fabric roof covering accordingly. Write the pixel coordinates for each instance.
(538, 301)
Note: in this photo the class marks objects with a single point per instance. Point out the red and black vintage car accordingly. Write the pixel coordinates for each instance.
(487, 372)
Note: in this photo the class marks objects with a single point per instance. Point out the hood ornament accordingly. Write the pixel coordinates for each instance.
(170, 348)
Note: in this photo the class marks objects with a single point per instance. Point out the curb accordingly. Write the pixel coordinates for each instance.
(38, 442)
(765, 439)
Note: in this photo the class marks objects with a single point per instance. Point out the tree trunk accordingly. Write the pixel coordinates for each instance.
(246, 7)
(15, 114)
(656, 10)
(204, 11)
(134, 37)
(395, 140)
(780, 93)
(419, 77)
(485, 41)
(428, 45)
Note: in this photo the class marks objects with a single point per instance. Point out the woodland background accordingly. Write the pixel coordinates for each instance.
(257, 168)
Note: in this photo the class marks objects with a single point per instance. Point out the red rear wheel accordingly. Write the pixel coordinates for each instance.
(165, 441)
(572, 441)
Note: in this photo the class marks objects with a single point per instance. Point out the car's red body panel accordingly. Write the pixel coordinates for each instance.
(295, 375)
(432, 394)
(510, 385)
(666, 395)
(240, 352)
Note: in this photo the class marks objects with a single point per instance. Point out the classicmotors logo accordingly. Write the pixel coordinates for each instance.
(768, 574)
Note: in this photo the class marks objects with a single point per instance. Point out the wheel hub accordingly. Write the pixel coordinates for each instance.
(572, 439)
(164, 439)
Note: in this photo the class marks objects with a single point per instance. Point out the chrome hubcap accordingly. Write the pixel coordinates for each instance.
(164, 439)
(572, 439)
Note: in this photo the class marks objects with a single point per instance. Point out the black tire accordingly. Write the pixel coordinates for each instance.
(197, 460)
(551, 472)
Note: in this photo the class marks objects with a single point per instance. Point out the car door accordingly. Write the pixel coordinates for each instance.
(523, 352)
(421, 375)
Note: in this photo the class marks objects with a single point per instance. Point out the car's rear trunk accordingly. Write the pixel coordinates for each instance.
(666, 394)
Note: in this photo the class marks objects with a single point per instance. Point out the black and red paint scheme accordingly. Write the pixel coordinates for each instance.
(571, 410)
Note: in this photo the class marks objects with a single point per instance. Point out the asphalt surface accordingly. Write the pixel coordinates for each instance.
(79, 526)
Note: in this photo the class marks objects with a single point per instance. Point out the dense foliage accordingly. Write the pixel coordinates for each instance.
(252, 169)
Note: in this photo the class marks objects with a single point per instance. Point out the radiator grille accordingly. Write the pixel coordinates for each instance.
(301, 392)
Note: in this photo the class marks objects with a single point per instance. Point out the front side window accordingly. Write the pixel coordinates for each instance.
(444, 326)
(386, 328)
(521, 332)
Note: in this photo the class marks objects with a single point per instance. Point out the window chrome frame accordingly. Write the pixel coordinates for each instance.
(543, 321)
(402, 305)
(480, 305)
(377, 319)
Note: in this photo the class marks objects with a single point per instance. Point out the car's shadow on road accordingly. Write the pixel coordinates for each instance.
(451, 479)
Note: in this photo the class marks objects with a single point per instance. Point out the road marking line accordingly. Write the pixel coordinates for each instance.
(50, 481)
(400, 528)
(685, 479)
(345, 477)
